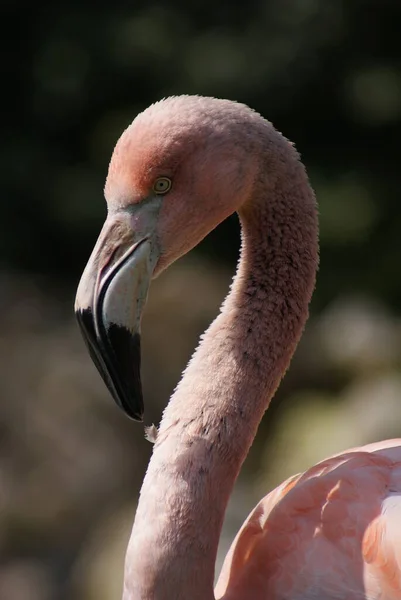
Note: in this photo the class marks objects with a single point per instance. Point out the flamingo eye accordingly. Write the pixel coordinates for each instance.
(162, 185)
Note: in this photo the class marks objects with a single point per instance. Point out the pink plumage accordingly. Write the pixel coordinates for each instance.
(332, 533)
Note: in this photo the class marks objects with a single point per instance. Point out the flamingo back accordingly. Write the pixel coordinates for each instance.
(333, 532)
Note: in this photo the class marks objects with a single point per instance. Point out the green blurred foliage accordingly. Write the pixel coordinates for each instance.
(328, 74)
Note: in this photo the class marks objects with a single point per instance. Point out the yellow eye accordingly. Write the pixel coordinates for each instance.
(162, 185)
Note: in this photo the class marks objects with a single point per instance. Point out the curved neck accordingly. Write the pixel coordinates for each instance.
(212, 418)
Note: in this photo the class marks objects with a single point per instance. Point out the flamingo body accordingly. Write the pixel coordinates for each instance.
(333, 532)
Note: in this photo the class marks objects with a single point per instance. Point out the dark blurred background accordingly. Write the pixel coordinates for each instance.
(328, 75)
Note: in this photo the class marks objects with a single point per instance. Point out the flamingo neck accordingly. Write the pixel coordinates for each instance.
(212, 418)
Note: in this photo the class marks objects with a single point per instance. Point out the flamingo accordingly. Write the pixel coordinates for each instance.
(333, 532)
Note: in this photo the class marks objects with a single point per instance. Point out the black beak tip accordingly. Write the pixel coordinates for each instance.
(132, 408)
(116, 353)
(135, 416)
(125, 354)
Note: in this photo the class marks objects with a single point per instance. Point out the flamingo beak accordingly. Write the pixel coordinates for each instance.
(109, 303)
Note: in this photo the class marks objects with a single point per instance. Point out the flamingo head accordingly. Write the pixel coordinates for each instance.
(177, 171)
